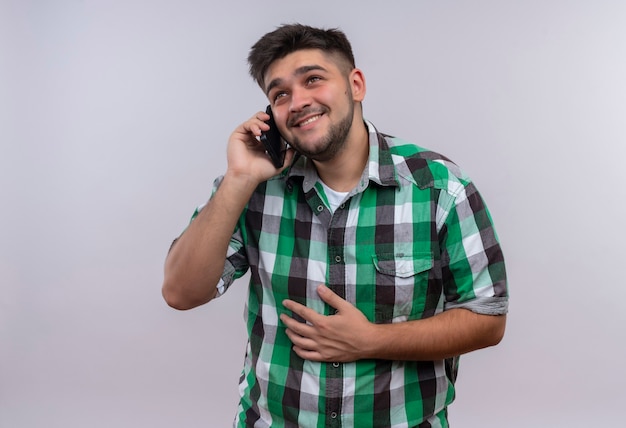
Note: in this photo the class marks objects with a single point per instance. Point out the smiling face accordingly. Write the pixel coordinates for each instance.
(313, 97)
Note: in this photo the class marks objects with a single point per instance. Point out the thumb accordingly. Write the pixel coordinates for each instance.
(289, 156)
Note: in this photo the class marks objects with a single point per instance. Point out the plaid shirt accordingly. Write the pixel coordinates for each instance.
(413, 239)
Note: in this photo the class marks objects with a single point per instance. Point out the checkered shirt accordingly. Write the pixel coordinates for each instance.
(414, 238)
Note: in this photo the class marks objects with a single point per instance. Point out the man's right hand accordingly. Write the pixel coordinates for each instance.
(246, 155)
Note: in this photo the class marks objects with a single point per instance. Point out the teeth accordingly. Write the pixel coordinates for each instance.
(313, 119)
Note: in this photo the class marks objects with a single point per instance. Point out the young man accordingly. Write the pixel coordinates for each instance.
(374, 263)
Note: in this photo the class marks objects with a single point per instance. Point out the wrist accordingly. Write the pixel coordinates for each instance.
(371, 345)
(240, 181)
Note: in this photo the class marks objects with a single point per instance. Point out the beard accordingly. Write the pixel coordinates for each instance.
(334, 140)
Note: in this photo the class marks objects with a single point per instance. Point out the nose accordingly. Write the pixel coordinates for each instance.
(300, 99)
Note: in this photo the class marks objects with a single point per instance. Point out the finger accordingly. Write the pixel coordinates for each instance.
(255, 125)
(332, 298)
(299, 328)
(261, 115)
(289, 157)
(293, 324)
(300, 341)
(259, 121)
(307, 314)
(307, 354)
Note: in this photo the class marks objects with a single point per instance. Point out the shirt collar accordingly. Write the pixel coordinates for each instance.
(380, 168)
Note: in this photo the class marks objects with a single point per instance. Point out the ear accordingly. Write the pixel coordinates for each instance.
(357, 84)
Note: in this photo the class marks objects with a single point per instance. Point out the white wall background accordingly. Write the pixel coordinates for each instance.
(113, 121)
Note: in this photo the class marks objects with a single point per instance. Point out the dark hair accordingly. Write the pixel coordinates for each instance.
(293, 37)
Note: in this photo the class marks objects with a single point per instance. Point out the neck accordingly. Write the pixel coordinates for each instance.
(343, 172)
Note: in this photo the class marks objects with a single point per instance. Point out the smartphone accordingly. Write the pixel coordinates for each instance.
(273, 142)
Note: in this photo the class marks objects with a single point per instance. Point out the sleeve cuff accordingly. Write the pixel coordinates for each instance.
(483, 305)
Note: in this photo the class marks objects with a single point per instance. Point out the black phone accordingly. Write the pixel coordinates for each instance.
(273, 142)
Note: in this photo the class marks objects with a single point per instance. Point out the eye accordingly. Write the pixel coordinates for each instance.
(278, 95)
(313, 79)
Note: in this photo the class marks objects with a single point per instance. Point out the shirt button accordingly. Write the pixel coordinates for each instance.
(342, 206)
(320, 208)
(333, 415)
(338, 259)
(335, 365)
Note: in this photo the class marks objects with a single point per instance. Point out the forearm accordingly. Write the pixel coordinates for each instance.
(445, 335)
(195, 262)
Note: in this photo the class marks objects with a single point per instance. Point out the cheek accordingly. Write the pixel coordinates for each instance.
(280, 118)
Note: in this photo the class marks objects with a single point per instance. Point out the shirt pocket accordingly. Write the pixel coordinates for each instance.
(401, 285)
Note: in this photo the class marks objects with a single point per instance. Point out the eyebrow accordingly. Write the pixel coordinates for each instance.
(298, 72)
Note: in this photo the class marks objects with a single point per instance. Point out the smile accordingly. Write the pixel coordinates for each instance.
(309, 120)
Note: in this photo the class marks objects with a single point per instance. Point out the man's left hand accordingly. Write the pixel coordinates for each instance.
(345, 336)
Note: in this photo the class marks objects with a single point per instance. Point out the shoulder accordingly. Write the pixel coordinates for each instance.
(424, 167)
